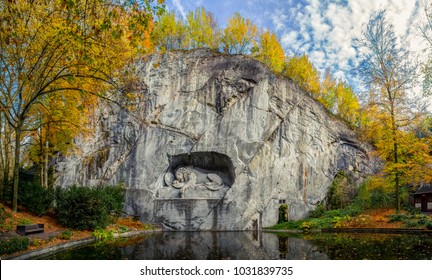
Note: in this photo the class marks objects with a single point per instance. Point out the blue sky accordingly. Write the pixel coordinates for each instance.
(325, 30)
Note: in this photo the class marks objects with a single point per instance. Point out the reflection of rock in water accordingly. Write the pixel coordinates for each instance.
(291, 248)
(220, 245)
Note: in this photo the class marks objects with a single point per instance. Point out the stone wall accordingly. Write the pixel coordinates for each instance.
(217, 142)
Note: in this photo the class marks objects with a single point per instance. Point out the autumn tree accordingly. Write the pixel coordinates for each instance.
(53, 46)
(303, 72)
(169, 33)
(387, 71)
(270, 52)
(327, 92)
(240, 35)
(426, 31)
(347, 103)
(202, 29)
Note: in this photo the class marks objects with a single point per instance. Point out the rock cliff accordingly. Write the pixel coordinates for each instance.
(217, 142)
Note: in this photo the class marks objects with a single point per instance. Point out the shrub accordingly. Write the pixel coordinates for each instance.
(4, 215)
(103, 234)
(381, 199)
(306, 226)
(24, 221)
(341, 192)
(396, 218)
(429, 225)
(318, 211)
(37, 242)
(34, 197)
(283, 213)
(88, 208)
(14, 244)
(66, 235)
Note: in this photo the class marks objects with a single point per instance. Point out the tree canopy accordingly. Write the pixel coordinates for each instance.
(58, 46)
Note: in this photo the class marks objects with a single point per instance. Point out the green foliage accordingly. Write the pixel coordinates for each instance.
(122, 229)
(363, 195)
(3, 215)
(37, 242)
(381, 199)
(341, 192)
(88, 208)
(34, 198)
(318, 211)
(66, 235)
(288, 225)
(14, 244)
(306, 226)
(24, 221)
(103, 234)
(396, 218)
(283, 213)
(411, 220)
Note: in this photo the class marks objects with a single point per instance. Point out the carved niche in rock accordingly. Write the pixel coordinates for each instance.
(198, 175)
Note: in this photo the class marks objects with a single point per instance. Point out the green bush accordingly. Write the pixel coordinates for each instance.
(3, 215)
(381, 199)
(14, 244)
(283, 213)
(103, 234)
(24, 221)
(341, 192)
(88, 207)
(396, 218)
(429, 225)
(66, 235)
(318, 211)
(36, 199)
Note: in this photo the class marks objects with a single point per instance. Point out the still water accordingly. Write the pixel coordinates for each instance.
(256, 246)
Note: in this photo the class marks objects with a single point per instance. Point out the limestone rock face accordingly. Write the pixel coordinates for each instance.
(216, 142)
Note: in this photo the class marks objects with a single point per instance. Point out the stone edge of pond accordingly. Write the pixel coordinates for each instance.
(378, 230)
(69, 245)
(355, 230)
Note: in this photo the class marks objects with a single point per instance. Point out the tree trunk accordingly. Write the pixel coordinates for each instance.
(395, 150)
(45, 182)
(16, 168)
(397, 187)
(41, 166)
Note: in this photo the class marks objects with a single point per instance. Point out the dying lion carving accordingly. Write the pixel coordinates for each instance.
(186, 177)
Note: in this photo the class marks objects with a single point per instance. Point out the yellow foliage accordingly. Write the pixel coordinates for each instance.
(169, 33)
(239, 36)
(270, 52)
(202, 29)
(301, 71)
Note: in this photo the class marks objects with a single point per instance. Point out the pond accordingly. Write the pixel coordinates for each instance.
(255, 246)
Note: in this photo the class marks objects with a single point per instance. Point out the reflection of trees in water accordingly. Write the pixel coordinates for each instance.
(348, 246)
(240, 245)
(283, 248)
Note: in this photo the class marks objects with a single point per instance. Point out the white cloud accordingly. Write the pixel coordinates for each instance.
(180, 8)
(289, 40)
(325, 30)
(279, 20)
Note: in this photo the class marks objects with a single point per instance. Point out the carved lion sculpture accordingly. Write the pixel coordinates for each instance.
(186, 177)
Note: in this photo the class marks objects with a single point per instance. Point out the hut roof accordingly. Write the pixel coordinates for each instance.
(424, 188)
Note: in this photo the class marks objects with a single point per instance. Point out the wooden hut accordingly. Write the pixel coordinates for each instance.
(423, 198)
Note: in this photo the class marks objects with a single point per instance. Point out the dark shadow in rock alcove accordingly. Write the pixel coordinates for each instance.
(213, 162)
